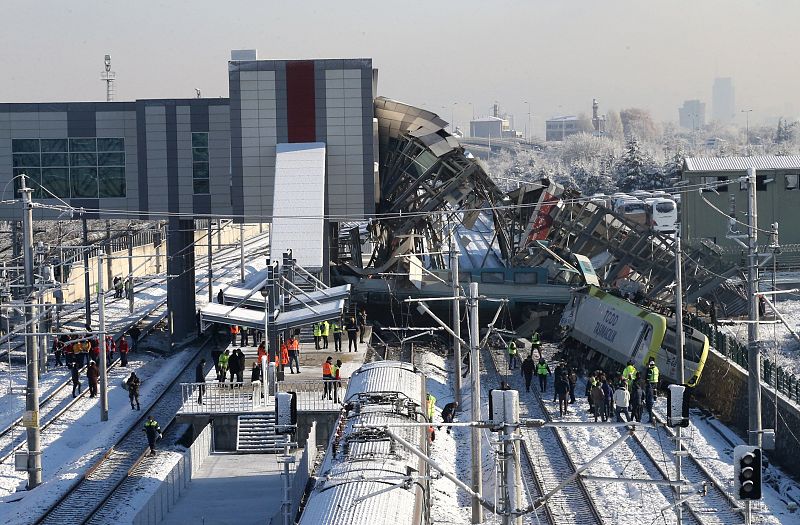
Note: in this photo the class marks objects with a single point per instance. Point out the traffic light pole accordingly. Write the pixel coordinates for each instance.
(31, 422)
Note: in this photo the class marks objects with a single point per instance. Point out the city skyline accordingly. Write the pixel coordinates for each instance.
(527, 56)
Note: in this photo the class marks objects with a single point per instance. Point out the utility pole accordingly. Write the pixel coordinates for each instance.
(130, 270)
(241, 250)
(679, 342)
(31, 421)
(101, 319)
(474, 365)
(210, 271)
(87, 292)
(456, 316)
(753, 343)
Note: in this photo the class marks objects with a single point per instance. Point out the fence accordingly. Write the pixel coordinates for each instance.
(302, 474)
(220, 398)
(784, 382)
(170, 490)
(311, 395)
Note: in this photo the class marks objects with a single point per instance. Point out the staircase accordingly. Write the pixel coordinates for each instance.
(256, 433)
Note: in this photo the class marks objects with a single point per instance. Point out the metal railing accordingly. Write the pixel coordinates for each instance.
(220, 398)
(311, 394)
(784, 382)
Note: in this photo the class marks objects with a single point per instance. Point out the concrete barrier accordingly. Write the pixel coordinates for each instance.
(723, 389)
(176, 482)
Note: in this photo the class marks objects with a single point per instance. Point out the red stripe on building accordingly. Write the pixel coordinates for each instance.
(300, 99)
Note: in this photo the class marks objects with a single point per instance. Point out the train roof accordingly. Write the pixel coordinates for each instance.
(388, 377)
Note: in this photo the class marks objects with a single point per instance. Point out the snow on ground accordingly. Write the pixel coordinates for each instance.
(633, 504)
(80, 441)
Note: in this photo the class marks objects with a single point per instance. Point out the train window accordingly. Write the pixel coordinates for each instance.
(526, 278)
(493, 277)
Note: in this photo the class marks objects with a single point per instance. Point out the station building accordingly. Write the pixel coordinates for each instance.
(293, 135)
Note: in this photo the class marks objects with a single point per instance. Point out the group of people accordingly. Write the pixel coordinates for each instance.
(331, 379)
(624, 395)
(244, 335)
(566, 378)
(121, 285)
(354, 326)
(233, 363)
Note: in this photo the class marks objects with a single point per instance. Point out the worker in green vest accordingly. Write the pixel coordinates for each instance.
(223, 365)
(542, 371)
(324, 330)
(512, 355)
(629, 375)
(336, 328)
(536, 343)
(651, 387)
(317, 335)
(431, 405)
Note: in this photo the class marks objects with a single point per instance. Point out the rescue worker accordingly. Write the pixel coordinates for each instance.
(448, 412)
(200, 377)
(75, 374)
(629, 374)
(352, 331)
(324, 330)
(133, 383)
(153, 432)
(284, 355)
(262, 351)
(224, 359)
(327, 377)
(622, 399)
(123, 351)
(336, 373)
(542, 370)
(317, 329)
(527, 369)
(512, 355)
(93, 374)
(431, 406)
(336, 328)
(536, 342)
(652, 378)
(294, 354)
(234, 333)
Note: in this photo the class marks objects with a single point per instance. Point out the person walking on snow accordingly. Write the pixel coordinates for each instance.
(133, 383)
(153, 432)
(542, 370)
(562, 390)
(448, 412)
(527, 369)
(123, 351)
(622, 399)
(75, 374)
(93, 374)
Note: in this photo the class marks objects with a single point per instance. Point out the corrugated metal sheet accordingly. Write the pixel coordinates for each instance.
(336, 505)
(762, 162)
(385, 376)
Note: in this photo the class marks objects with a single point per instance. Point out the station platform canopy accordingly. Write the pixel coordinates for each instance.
(245, 317)
(236, 296)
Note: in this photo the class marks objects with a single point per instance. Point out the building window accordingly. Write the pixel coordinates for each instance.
(792, 181)
(71, 167)
(722, 187)
(200, 173)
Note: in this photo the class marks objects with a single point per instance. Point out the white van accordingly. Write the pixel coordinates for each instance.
(663, 214)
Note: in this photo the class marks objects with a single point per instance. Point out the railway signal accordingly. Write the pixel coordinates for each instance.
(678, 406)
(747, 472)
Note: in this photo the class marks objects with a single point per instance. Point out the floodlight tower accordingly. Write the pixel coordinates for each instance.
(108, 76)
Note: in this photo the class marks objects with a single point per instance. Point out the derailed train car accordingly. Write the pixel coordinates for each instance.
(366, 478)
(624, 332)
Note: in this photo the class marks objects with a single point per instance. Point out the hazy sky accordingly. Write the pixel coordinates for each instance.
(555, 54)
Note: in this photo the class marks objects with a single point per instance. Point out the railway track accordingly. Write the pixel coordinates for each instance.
(549, 460)
(95, 489)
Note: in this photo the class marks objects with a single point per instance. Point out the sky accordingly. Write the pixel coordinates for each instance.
(454, 58)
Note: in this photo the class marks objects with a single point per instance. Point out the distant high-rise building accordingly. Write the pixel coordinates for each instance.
(692, 115)
(723, 102)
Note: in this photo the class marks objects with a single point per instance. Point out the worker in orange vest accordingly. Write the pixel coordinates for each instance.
(234, 333)
(327, 378)
(262, 351)
(294, 354)
(284, 355)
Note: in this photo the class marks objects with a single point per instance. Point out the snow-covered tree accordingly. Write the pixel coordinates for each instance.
(636, 170)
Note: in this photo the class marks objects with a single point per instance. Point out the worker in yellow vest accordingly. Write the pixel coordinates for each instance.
(324, 329)
(317, 328)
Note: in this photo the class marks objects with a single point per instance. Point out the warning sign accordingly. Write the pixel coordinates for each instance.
(30, 419)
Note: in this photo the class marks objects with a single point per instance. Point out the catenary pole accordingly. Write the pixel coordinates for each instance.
(456, 317)
(474, 364)
(210, 270)
(32, 385)
(679, 342)
(753, 348)
(130, 269)
(101, 319)
(87, 293)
